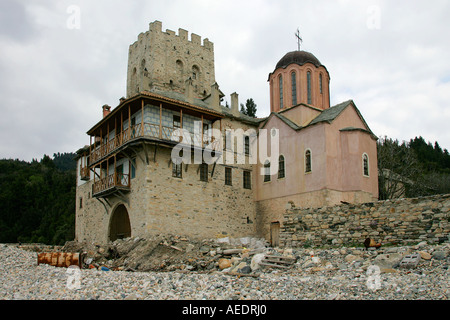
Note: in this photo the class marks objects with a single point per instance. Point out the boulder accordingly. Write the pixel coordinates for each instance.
(224, 263)
(425, 255)
(439, 255)
(388, 261)
(257, 258)
(246, 269)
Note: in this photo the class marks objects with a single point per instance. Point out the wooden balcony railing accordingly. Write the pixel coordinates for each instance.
(148, 130)
(115, 180)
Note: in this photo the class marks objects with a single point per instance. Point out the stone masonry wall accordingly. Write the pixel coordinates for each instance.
(164, 60)
(399, 221)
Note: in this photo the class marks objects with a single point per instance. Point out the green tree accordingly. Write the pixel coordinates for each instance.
(37, 201)
(398, 168)
(250, 108)
(243, 109)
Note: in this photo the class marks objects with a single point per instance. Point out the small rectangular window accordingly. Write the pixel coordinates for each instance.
(267, 171)
(228, 140)
(247, 145)
(176, 122)
(133, 169)
(228, 181)
(204, 172)
(177, 170)
(247, 180)
(81, 202)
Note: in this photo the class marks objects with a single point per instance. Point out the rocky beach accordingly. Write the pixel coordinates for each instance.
(222, 270)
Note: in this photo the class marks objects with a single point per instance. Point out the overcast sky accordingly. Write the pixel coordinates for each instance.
(60, 61)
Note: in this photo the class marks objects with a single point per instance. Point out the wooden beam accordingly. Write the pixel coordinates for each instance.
(121, 127)
(137, 154)
(95, 174)
(133, 162)
(160, 120)
(142, 118)
(129, 121)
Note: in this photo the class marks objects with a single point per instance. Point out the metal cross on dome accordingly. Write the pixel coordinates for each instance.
(299, 39)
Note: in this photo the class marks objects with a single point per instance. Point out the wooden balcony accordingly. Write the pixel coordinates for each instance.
(150, 131)
(116, 182)
(84, 173)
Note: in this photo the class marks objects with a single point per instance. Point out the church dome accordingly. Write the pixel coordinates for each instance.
(297, 57)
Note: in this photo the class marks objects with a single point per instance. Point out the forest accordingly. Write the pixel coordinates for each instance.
(37, 199)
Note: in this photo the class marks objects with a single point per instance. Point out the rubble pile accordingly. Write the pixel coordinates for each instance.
(173, 253)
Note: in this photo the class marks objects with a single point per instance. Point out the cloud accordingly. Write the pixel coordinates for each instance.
(389, 57)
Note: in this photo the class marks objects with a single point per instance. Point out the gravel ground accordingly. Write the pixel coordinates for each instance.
(325, 274)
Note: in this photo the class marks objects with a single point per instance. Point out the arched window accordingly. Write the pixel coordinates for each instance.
(320, 83)
(365, 162)
(308, 83)
(180, 66)
(281, 168)
(307, 160)
(294, 88)
(267, 171)
(195, 72)
(280, 79)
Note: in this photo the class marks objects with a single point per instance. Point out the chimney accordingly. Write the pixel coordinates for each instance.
(189, 90)
(215, 97)
(106, 110)
(235, 104)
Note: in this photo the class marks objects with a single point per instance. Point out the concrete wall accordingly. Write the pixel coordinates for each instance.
(399, 221)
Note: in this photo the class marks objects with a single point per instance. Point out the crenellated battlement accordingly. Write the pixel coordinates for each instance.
(156, 27)
(164, 60)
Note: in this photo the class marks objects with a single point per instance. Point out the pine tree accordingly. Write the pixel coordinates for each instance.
(251, 108)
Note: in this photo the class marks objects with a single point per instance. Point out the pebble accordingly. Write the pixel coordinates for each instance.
(334, 277)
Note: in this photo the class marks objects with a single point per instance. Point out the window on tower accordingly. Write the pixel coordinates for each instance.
(280, 79)
(320, 83)
(308, 83)
(294, 88)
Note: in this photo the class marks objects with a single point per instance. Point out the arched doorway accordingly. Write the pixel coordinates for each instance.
(119, 226)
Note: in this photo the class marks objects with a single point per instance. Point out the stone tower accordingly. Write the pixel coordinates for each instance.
(163, 61)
